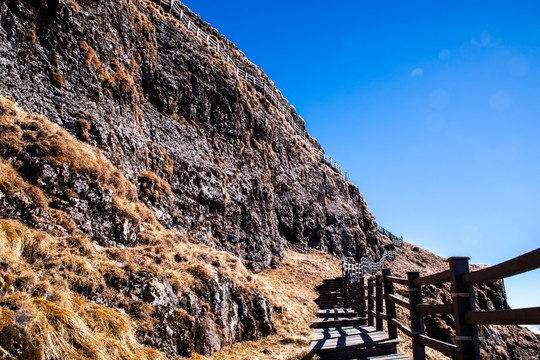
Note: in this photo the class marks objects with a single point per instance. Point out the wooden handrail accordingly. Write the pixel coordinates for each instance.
(396, 280)
(399, 301)
(526, 316)
(404, 329)
(434, 308)
(518, 265)
(438, 278)
(462, 307)
(441, 346)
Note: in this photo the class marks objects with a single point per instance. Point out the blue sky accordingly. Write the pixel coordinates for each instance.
(432, 107)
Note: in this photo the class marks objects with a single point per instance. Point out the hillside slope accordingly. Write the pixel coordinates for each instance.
(209, 154)
(152, 203)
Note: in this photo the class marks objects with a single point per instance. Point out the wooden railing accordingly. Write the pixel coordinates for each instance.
(377, 301)
(269, 89)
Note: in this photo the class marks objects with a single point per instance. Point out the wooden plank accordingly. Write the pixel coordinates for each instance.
(358, 342)
(438, 278)
(337, 311)
(441, 346)
(404, 329)
(335, 332)
(518, 265)
(526, 316)
(397, 280)
(399, 301)
(434, 308)
(386, 357)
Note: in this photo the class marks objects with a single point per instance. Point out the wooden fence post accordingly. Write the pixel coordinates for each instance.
(390, 306)
(378, 302)
(463, 300)
(345, 287)
(370, 302)
(361, 294)
(354, 289)
(417, 319)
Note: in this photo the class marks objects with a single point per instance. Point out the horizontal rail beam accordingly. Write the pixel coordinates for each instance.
(433, 279)
(396, 280)
(441, 346)
(385, 316)
(399, 301)
(526, 316)
(434, 309)
(518, 265)
(404, 329)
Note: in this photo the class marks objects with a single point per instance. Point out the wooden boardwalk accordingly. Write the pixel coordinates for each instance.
(339, 333)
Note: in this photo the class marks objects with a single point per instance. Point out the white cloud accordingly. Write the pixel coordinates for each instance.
(444, 54)
(534, 328)
(417, 72)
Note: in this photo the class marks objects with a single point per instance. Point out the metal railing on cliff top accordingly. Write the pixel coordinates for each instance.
(269, 90)
(353, 271)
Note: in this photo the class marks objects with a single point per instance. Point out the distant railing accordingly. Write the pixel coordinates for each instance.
(352, 271)
(269, 90)
(397, 241)
(369, 300)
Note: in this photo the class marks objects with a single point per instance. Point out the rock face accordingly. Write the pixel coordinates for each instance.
(170, 113)
(189, 149)
(181, 297)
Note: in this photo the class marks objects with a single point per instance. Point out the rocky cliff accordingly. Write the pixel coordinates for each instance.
(150, 158)
(144, 187)
(209, 154)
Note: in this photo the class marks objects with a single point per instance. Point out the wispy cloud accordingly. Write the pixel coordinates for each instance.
(417, 72)
(444, 54)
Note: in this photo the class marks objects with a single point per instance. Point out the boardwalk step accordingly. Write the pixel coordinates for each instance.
(385, 357)
(330, 322)
(352, 342)
(337, 312)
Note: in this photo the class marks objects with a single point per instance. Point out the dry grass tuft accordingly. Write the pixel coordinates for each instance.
(154, 187)
(83, 126)
(23, 242)
(57, 79)
(36, 135)
(123, 79)
(72, 328)
(290, 287)
(11, 182)
(91, 59)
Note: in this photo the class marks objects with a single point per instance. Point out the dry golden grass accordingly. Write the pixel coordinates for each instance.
(57, 79)
(83, 129)
(67, 266)
(64, 325)
(36, 135)
(153, 186)
(290, 287)
(11, 182)
(91, 59)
